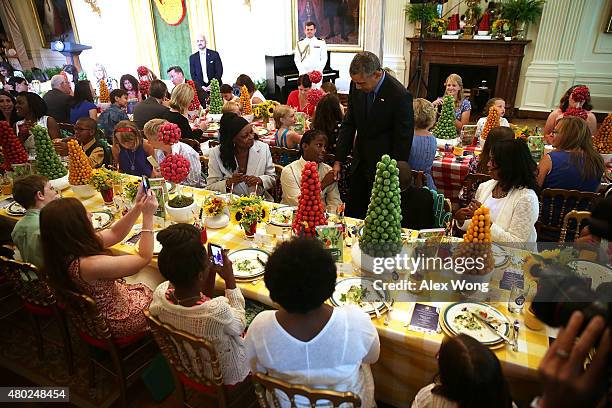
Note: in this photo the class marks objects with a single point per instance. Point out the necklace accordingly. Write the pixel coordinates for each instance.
(498, 192)
(132, 161)
(179, 301)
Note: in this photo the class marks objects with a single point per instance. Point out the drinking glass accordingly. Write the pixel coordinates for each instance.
(518, 296)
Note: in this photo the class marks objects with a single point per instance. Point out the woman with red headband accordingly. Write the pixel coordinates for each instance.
(575, 102)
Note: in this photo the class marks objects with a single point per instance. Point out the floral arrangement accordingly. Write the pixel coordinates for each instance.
(523, 132)
(437, 26)
(104, 179)
(557, 259)
(315, 76)
(502, 26)
(265, 110)
(247, 210)
(214, 206)
(169, 133)
(13, 150)
(131, 189)
(195, 102)
(175, 168)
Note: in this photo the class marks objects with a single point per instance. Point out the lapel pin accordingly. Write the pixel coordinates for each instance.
(382, 100)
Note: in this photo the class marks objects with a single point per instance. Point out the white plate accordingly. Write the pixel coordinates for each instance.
(500, 256)
(481, 333)
(213, 127)
(246, 264)
(373, 299)
(101, 219)
(157, 246)
(15, 209)
(282, 216)
(260, 130)
(596, 272)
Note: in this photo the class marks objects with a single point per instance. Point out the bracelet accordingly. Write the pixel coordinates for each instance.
(147, 230)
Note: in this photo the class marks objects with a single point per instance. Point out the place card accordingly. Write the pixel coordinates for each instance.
(425, 318)
(511, 276)
(332, 238)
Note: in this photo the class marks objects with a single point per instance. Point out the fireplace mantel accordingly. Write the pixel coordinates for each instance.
(507, 56)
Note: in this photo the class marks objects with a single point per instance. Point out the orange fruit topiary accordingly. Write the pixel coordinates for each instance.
(79, 167)
(603, 138)
(492, 121)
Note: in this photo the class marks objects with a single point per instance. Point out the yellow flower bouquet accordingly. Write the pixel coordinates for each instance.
(131, 189)
(437, 27)
(248, 211)
(104, 179)
(265, 110)
(214, 206)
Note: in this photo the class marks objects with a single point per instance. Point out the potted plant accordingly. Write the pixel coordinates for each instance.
(103, 180)
(437, 27)
(216, 212)
(248, 211)
(501, 28)
(521, 13)
(175, 168)
(421, 15)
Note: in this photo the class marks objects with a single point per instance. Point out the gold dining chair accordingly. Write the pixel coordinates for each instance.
(266, 388)
(576, 218)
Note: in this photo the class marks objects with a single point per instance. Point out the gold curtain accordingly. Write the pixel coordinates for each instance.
(141, 14)
(201, 21)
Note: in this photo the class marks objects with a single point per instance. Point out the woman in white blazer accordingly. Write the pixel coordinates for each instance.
(239, 160)
(511, 195)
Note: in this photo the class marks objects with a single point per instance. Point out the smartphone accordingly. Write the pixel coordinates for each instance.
(217, 253)
(134, 239)
(145, 183)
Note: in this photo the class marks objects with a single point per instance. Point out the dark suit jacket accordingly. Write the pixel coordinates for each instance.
(387, 129)
(58, 105)
(214, 67)
(146, 110)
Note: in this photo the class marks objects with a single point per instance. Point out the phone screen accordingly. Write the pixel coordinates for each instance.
(145, 183)
(217, 254)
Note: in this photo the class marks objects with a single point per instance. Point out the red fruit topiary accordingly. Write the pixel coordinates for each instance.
(578, 112)
(195, 102)
(175, 168)
(581, 94)
(12, 149)
(142, 70)
(169, 133)
(315, 77)
(311, 211)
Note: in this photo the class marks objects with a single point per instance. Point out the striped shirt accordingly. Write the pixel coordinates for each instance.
(194, 178)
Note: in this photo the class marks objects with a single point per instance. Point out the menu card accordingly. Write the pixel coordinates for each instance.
(425, 318)
(158, 187)
(332, 238)
(511, 276)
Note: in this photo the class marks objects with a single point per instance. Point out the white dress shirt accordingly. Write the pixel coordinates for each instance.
(204, 66)
(310, 55)
(194, 178)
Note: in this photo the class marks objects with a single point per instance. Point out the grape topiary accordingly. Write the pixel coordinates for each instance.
(216, 102)
(445, 127)
(382, 232)
(48, 162)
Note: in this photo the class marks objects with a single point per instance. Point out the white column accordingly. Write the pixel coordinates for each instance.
(553, 67)
(393, 37)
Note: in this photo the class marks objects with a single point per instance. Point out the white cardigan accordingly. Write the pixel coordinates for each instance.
(517, 217)
(260, 164)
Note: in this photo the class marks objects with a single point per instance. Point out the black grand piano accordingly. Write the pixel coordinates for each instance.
(282, 75)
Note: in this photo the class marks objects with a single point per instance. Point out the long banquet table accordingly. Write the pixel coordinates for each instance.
(407, 361)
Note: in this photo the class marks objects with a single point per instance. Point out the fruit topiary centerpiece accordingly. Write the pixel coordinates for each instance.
(247, 211)
(445, 126)
(48, 162)
(245, 101)
(104, 93)
(311, 211)
(492, 121)
(195, 102)
(603, 137)
(477, 245)
(215, 104)
(175, 168)
(79, 171)
(12, 149)
(382, 231)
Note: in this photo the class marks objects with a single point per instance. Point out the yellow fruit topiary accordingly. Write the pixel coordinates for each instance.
(79, 167)
(104, 94)
(492, 121)
(245, 101)
(603, 138)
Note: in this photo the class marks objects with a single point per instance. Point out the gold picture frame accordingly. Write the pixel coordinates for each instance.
(320, 12)
(46, 42)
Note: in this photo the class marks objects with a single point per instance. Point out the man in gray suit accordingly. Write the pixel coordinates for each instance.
(152, 107)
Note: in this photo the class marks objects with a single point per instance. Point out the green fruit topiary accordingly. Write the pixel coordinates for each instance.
(215, 103)
(48, 162)
(445, 127)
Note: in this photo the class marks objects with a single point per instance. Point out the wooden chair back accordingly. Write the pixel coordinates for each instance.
(194, 144)
(213, 143)
(282, 155)
(194, 357)
(469, 187)
(85, 315)
(554, 205)
(66, 127)
(25, 281)
(278, 188)
(418, 178)
(571, 223)
(266, 388)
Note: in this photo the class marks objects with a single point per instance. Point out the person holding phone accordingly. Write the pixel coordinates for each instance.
(185, 301)
(76, 258)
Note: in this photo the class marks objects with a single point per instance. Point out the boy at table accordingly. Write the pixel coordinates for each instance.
(162, 150)
(32, 193)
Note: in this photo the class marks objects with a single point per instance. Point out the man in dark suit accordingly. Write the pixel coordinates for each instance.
(58, 99)
(152, 107)
(205, 65)
(380, 114)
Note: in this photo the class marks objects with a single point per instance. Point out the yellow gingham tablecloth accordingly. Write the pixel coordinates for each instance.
(407, 361)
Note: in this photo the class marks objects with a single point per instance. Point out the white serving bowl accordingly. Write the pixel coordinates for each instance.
(83, 191)
(184, 214)
(60, 183)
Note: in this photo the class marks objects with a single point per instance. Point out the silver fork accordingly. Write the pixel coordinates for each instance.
(378, 315)
(388, 315)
